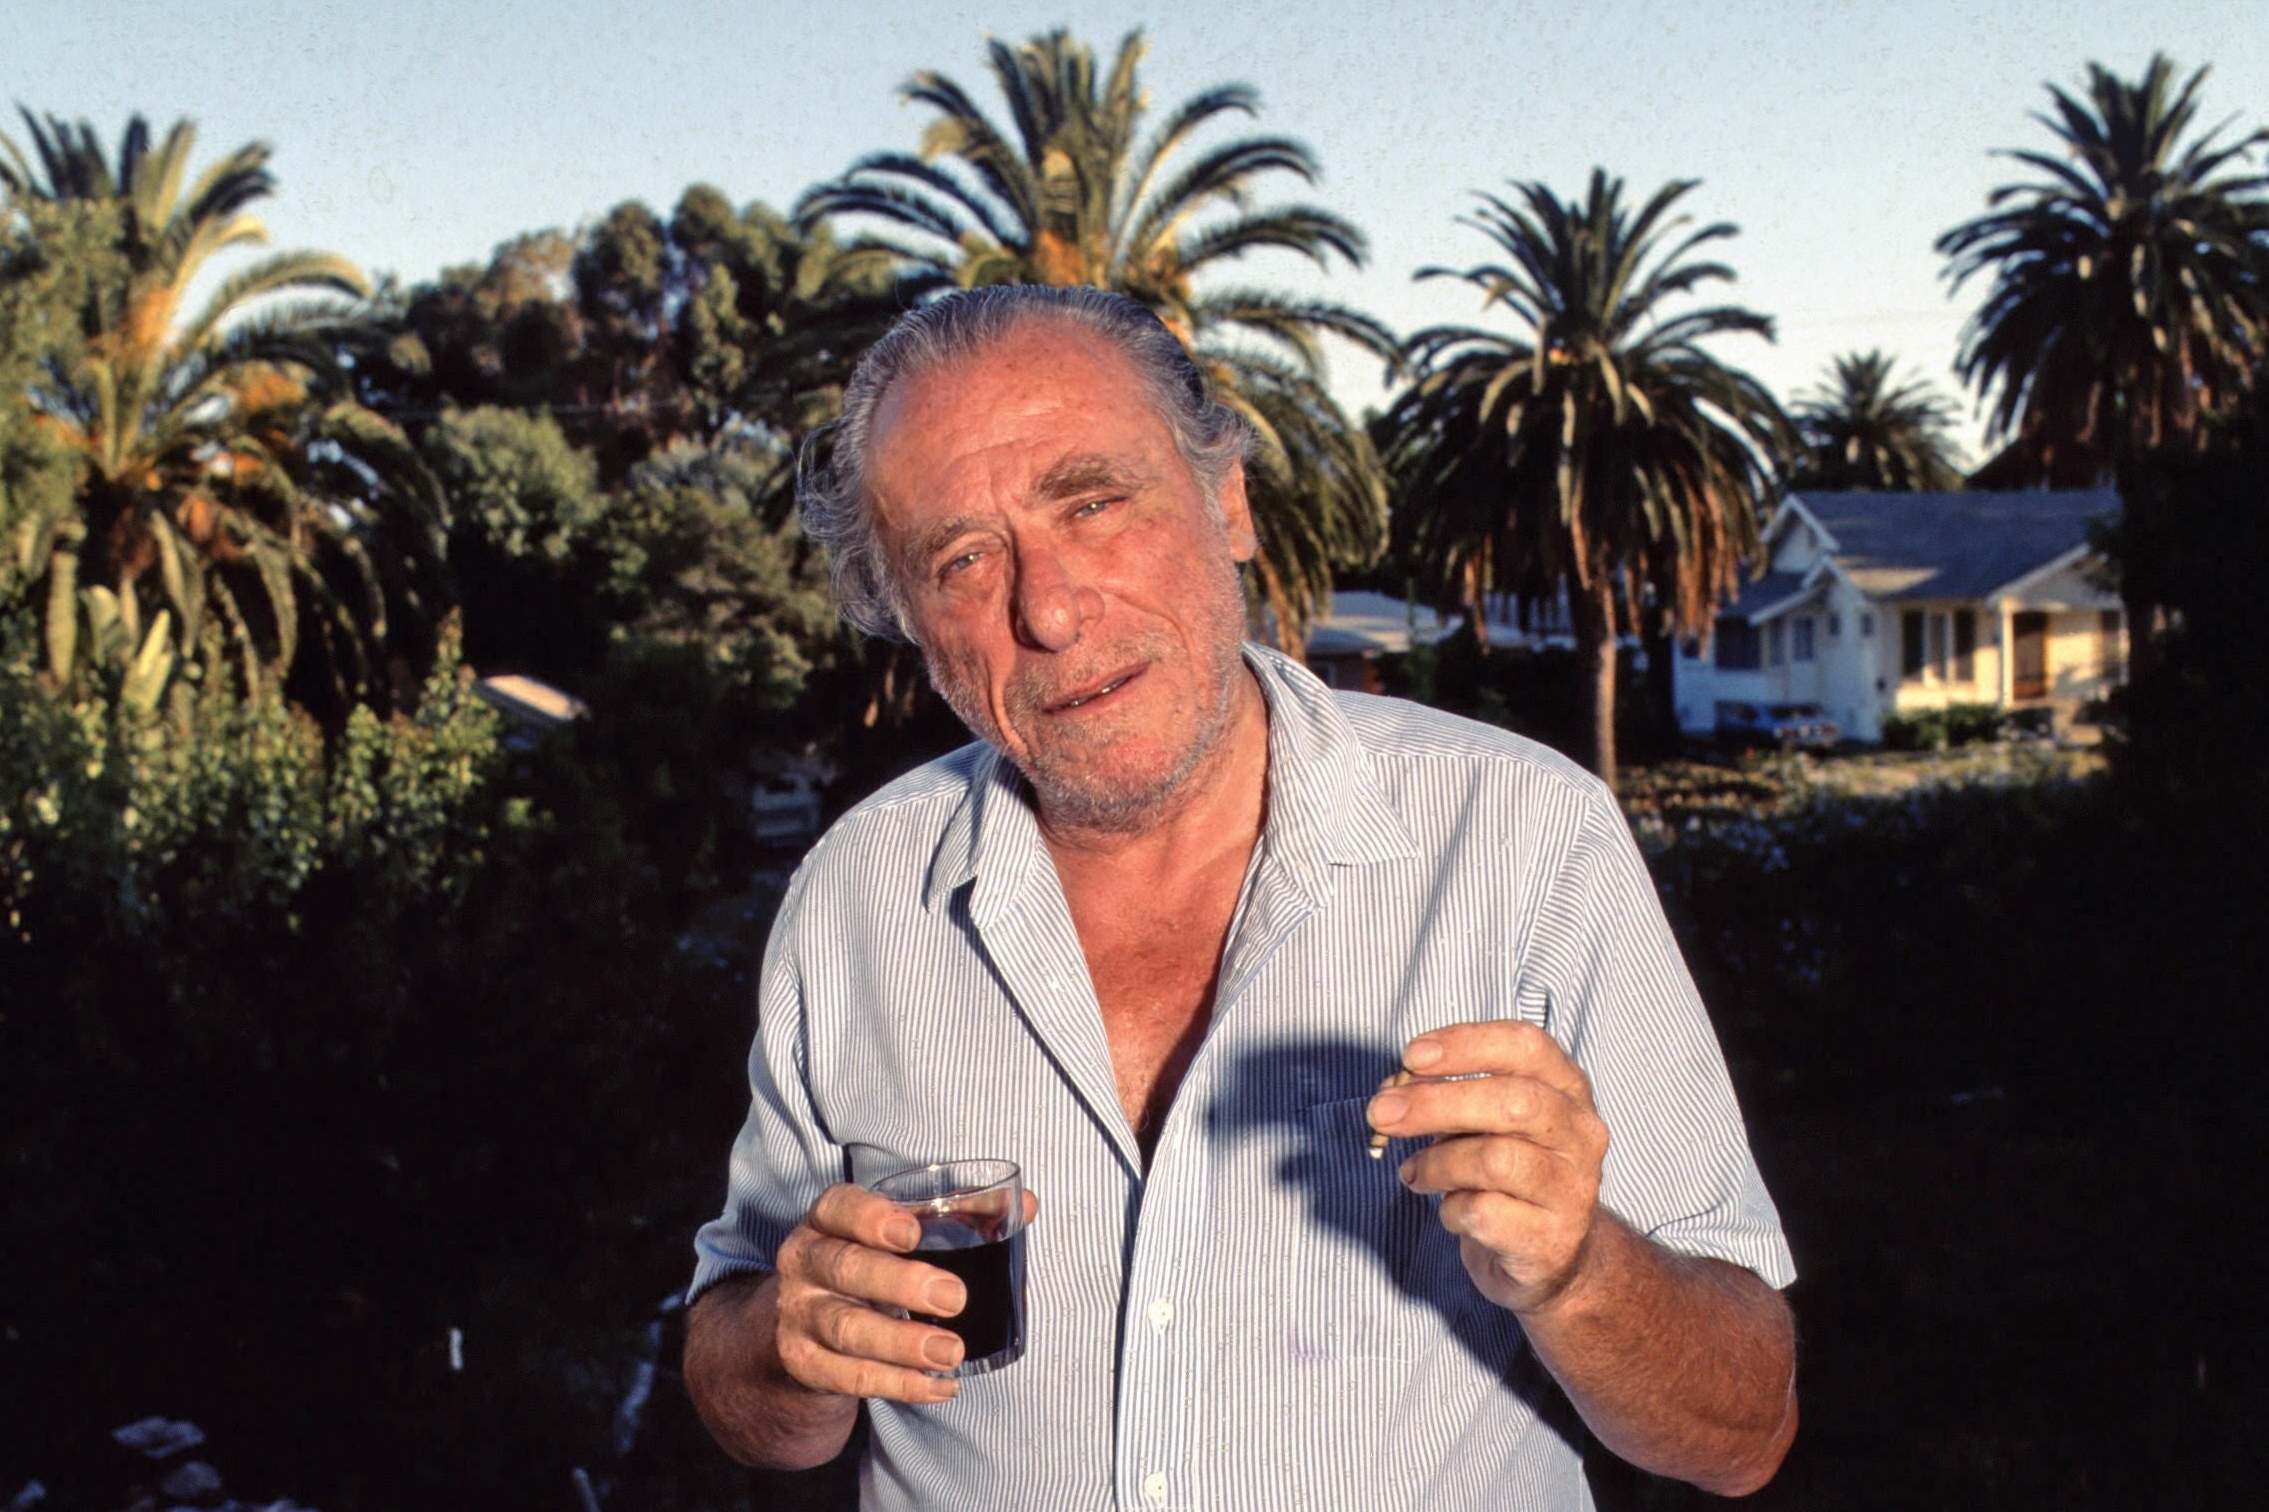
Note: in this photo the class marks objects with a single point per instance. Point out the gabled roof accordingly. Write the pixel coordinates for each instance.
(1775, 593)
(1952, 545)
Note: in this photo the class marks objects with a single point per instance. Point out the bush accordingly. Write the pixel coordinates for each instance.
(314, 1053)
(1972, 723)
(1982, 931)
(1939, 729)
(1924, 730)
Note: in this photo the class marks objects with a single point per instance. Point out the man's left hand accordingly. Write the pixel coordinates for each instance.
(1516, 1154)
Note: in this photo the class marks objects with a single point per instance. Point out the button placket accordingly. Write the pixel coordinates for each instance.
(1160, 1373)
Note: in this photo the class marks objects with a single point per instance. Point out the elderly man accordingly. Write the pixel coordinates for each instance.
(1161, 936)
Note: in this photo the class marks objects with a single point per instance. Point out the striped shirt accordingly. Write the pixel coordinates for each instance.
(1264, 1317)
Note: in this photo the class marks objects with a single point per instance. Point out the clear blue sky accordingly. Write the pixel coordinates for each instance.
(1840, 137)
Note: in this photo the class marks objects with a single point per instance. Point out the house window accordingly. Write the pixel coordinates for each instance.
(1835, 624)
(1937, 623)
(1867, 627)
(1804, 639)
(1736, 645)
(1965, 645)
(1775, 643)
(1910, 644)
(2115, 665)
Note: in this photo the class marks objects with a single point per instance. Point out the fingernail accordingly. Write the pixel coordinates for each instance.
(1388, 1107)
(942, 1350)
(1403, 1171)
(945, 1297)
(1422, 1053)
(902, 1233)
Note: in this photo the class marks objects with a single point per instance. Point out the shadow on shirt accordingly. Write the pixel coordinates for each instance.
(1410, 1294)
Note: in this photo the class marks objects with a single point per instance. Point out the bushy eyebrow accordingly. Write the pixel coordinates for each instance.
(939, 536)
(1082, 471)
(1070, 476)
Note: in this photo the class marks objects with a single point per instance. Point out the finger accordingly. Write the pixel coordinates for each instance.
(1503, 1104)
(820, 1368)
(1499, 1222)
(854, 1213)
(1487, 1163)
(1504, 1046)
(871, 1275)
(847, 1328)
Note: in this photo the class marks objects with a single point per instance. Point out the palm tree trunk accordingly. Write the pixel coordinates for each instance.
(1595, 652)
(1662, 693)
(2140, 563)
(1476, 609)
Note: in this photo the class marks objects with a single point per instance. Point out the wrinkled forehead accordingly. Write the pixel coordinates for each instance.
(1015, 412)
(1038, 355)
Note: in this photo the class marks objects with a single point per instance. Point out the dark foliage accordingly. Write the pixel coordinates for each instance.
(283, 1112)
(1540, 694)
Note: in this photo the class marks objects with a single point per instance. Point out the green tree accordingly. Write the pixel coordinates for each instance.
(641, 335)
(2128, 306)
(1596, 451)
(51, 256)
(525, 532)
(1075, 195)
(220, 473)
(697, 568)
(1859, 430)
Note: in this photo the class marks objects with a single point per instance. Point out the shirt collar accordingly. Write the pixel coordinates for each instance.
(1325, 806)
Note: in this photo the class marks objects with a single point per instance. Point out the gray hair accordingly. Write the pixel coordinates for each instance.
(830, 471)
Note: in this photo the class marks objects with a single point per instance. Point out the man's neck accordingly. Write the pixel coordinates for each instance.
(1219, 810)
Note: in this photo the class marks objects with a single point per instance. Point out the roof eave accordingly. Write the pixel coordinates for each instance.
(2063, 559)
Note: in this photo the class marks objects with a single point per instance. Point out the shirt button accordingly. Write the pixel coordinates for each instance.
(1154, 1488)
(1161, 1314)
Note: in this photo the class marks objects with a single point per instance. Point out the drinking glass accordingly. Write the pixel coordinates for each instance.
(971, 1214)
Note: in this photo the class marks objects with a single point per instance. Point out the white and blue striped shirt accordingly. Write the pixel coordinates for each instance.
(1263, 1318)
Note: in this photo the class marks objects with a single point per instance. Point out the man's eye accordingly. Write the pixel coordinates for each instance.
(1091, 508)
(952, 565)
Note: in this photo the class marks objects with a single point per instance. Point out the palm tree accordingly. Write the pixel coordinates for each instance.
(1596, 450)
(2128, 299)
(1859, 431)
(1071, 197)
(224, 493)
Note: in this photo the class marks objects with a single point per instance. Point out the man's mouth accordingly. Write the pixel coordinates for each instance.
(1096, 692)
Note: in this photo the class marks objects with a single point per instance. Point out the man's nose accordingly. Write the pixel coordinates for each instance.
(1052, 606)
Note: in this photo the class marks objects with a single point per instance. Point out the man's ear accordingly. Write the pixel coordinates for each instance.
(1237, 515)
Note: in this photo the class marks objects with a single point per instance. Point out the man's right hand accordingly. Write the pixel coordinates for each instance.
(776, 1361)
(846, 1260)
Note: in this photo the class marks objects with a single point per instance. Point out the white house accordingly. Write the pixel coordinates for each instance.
(1875, 603)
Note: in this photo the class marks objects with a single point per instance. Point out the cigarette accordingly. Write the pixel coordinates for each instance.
(1379, 1137)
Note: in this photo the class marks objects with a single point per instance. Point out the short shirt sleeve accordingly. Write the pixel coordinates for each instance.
(782, 1159)
(1624, 1006)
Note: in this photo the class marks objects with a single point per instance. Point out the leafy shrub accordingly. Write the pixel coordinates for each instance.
(1923, 730)
(1961, 934)
(313, 1052)
(1939, 729)
(1972, 723)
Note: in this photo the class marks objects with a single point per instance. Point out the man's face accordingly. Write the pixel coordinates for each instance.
(1073, 590)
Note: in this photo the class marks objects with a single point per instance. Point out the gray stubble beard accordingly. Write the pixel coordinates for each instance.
(1078, 800)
